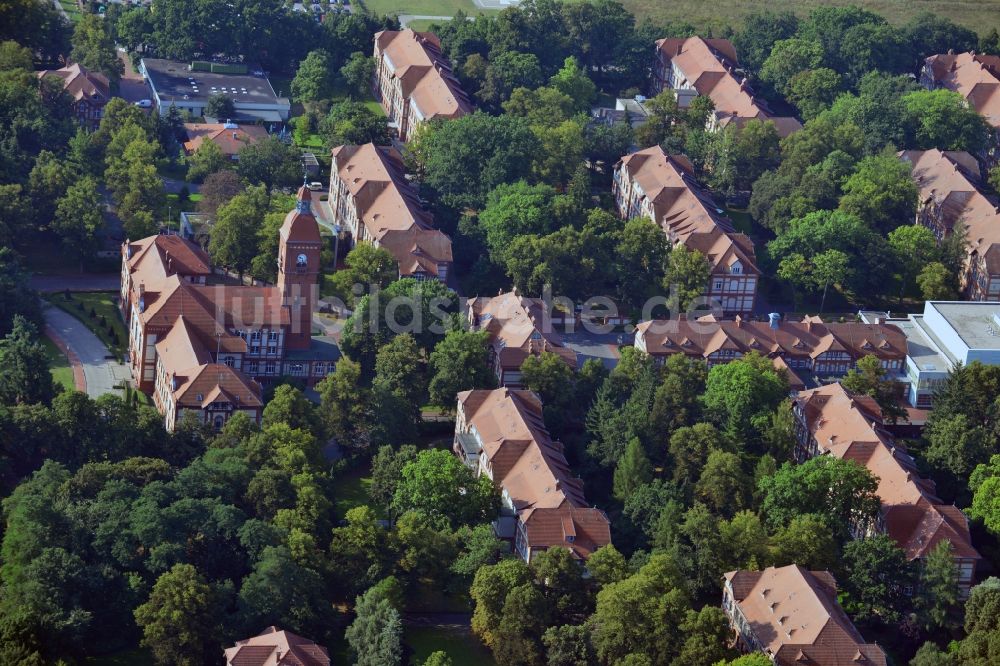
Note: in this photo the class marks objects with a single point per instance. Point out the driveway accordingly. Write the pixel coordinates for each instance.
(602, 346)
(132, 87)
(101, 371)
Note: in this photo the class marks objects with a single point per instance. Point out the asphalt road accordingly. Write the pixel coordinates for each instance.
(102, 373)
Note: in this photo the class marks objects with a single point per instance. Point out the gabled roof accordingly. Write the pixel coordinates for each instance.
(182, 347)
(794, 613)
(526, 462)
(229, 137)
(951, 180)
(973, 76)
(685, 211)
(389, 207)
(711, 67)
(276, 647)
(424, 72)
(154, 258)
(849, 426)
(579, 530)
(201, 386)
(81, 83)
(517, 328)
(803, 339)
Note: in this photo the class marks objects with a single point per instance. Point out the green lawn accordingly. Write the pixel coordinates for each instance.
(352, 491)
(104, 305)
(979, 15)
(62, 373)
(427, 7)
(72, 10)
(463, 648)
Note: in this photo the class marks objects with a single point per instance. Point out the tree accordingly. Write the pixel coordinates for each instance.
(179, 620)
(807, 541)
(94, 48)
(233, 243)
(439, 484)
(507, 71)
(15, 56)
(573, 82)
(207, 160)
(358, 72)
(868, 378)
(220, 107)
(788, 58)
(290, 406)
(937, 599)
(686, 277)
(759, 33)
(26, 378)
(632, 471)
(814, 90)
(314, 78)
(568, 645)
(607, 565)
(16, 295)
(706, 634)
(343, 404)
(840, 490)
(752, 659)
(399, 373)
(387, 469)
(281, 591)
(548, 375)
(942, 119)
(877, 573)
(353, 123)
(462, 160)
(936, 282)
(459, 362)
(376, 635)
(219, 187)
(914, 247)
(438, 658)
(270, 162)
(78, 218)
(490, 588)
(723, 485)
(737, 155)
(985, 485)
(930, 654)
(640, 256)
(738, 394)
(881, 192)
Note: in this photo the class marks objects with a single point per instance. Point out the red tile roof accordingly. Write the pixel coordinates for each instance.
(517, 329)
(288, 649)
(794, 614)
(424, 73)
(849, 426)
(81, 83)
(806, 339)
(710, 67)
(950, 182)
(975, 77)
(685, 211)
(229, 137)
(579, 530)
(151, 260)
(300, 224)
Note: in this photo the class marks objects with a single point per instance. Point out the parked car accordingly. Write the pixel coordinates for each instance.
(144, 104)
(315, 186)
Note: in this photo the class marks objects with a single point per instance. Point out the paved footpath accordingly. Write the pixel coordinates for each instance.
(49, 284)
(101, 371)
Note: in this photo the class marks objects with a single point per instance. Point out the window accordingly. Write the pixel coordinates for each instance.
(270, 368)
(229, 361)
(218, 421)
(271, 350)
(717, 285)
(272, 335)
(255, 349)
(255, 335)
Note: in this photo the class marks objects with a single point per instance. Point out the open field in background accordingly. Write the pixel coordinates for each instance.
(72, 10)
(426, 7)
(979, 15)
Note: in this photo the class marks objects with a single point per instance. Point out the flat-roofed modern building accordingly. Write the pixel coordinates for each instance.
(188, 87)
(945, 334)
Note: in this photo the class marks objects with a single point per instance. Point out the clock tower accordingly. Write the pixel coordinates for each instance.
(299, 248)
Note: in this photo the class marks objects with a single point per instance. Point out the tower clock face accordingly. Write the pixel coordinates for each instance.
(301, 260)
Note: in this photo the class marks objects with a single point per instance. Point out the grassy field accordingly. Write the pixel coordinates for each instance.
(979, 15)
(72, 10)
(426, 7)
(62, 373)
(352, 491)
(463, 648)
(104, 305)
(137, 657)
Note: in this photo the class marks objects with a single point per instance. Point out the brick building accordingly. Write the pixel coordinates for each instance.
(90, 92)
(414, 82)
(500, 433)
(373, 202)
(650, 183)
(976, 78)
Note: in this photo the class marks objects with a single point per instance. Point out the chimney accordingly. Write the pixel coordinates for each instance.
(951, 51)
(774, 320)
